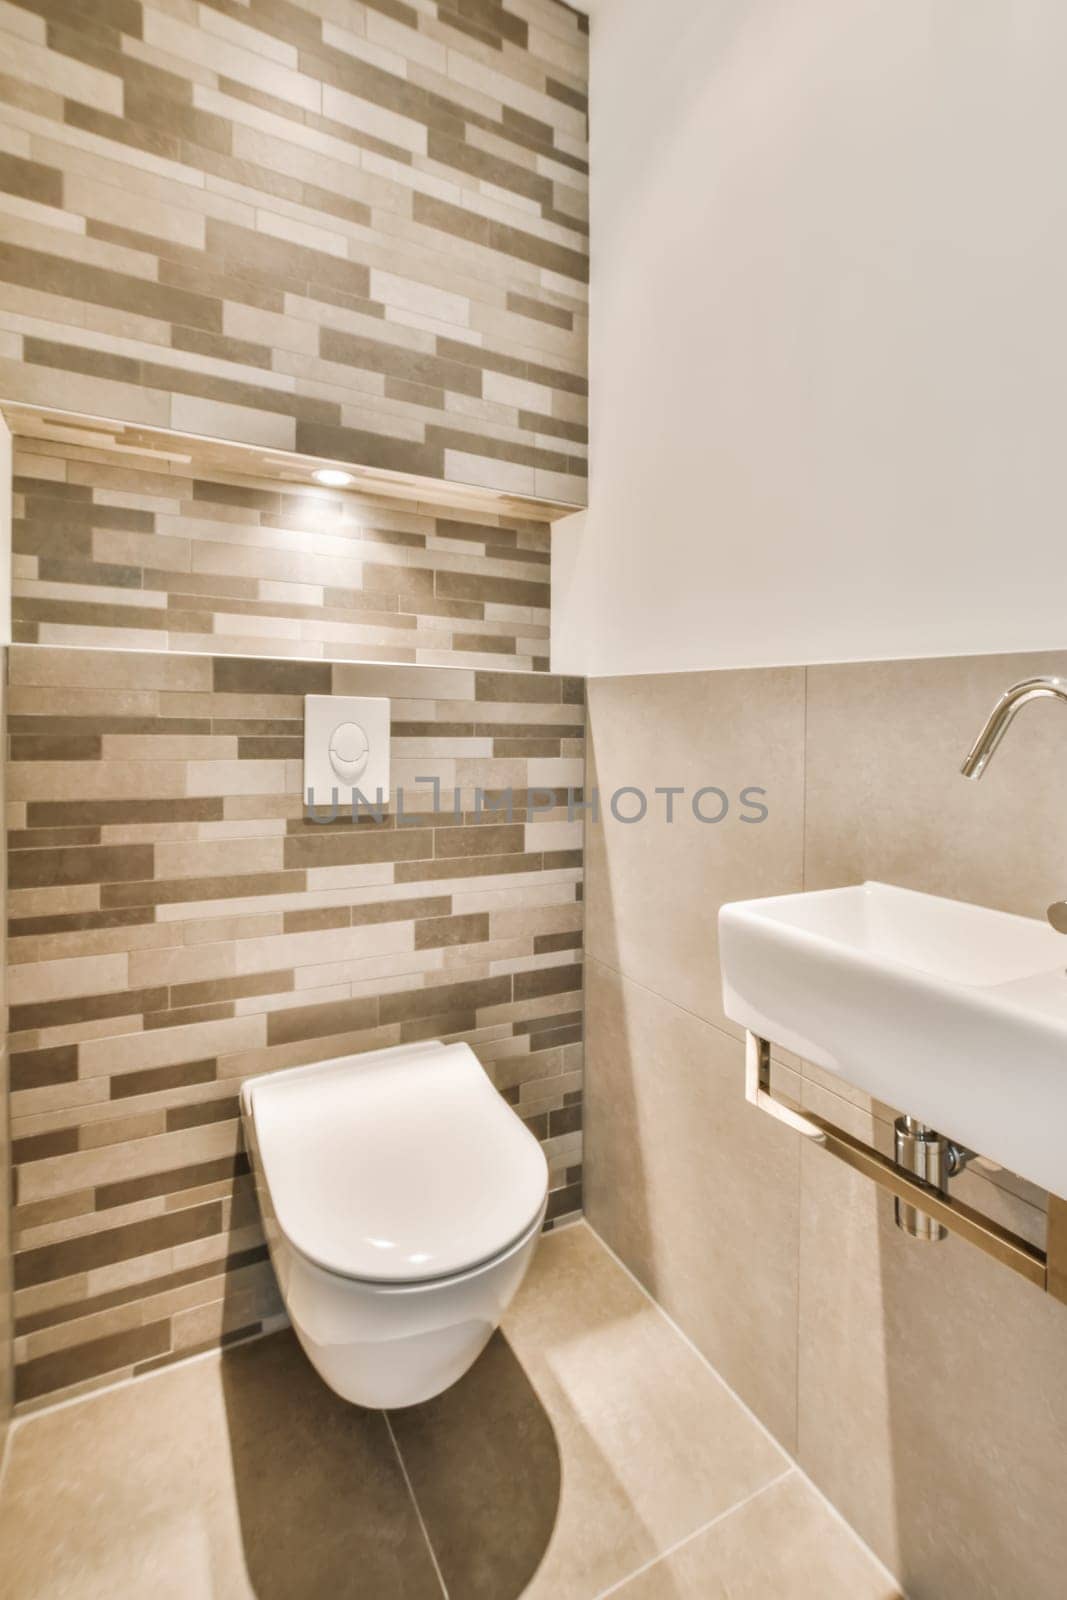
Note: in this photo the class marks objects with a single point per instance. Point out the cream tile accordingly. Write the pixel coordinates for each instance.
(694, 1189)
(106, 669)
(654, 888)
(62, 74)
(53, 980)
(652, 1444)
(220, 55)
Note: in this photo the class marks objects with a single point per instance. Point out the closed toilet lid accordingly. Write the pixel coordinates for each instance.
(398, 1165)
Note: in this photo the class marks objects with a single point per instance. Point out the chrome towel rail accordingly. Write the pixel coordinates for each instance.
(1047, 1269)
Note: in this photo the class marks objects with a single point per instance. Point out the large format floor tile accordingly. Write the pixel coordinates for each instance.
(220, 1479)
(784, 1542)
(587, 1445)
(652, 1443)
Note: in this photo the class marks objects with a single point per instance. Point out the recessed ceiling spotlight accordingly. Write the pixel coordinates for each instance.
(332, 477)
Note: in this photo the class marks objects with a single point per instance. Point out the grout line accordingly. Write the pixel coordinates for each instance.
(415, 1503)
(679, 1544)
(747, 1409)
(736, 1038)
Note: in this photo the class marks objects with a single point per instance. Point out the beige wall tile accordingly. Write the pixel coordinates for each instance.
(884, 1359)
(885, 797)
(655, 887)
(915, 1413)
(695, 1190)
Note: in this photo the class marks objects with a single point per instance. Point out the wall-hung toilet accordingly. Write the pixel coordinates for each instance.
(402, 1199)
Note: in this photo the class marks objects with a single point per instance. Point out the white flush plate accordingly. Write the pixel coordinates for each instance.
(346, 747)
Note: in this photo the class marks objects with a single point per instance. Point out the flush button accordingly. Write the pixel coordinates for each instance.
(349, 751)
(346, 748)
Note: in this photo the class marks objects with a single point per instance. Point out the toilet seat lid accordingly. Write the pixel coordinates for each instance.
(396, 1166)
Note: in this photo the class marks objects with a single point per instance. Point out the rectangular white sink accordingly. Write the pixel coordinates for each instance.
(950, 1012)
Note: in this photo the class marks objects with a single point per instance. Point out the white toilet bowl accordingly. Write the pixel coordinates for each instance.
(402, 1200)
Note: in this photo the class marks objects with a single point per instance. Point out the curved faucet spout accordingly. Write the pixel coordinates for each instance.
(1003, 715)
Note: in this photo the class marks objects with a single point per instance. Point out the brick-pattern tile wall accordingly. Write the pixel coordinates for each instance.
(6, 1335)
(177, 924)
(351, 230)
(110, 550)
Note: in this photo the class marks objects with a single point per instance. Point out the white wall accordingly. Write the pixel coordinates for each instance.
(829, 337)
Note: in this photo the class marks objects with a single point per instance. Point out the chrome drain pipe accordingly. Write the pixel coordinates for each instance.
(932, 1159)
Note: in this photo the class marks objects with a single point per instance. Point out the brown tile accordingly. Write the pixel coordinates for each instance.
(211, 989)
(548, 980)
(484, 841)
(409, 1003)
(94, 1250)
(30, 869)
(249, 253)
(566, 1120)
(465, 867)
(31, 180)
(517, 687)
(198, 1116)
(447, 218)
(78, 281)
(317, 918)
(156, 1079)
(109, 813)
(332, 847)
(319, 1021)
(86, 1008)
(501, 591)
(372, 355)
(41, 1146)
(561, 1202)
(37, 1069)
(546, 943)
(435, 932)
(130, 1190)
(73, 1365)
(243, 675)
(438, 1025)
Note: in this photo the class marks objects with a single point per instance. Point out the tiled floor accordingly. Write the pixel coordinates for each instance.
(590, 1452)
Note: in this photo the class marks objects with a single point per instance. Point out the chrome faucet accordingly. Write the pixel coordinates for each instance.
(999, 721)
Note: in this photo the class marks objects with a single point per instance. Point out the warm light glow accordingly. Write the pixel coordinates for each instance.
(332, 477)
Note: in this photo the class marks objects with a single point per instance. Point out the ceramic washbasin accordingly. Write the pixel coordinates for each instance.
(951, 1012)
